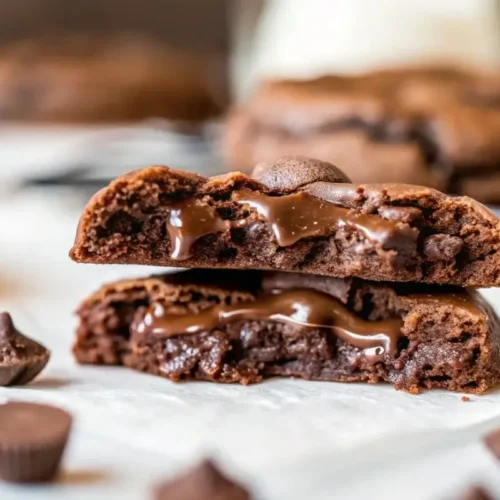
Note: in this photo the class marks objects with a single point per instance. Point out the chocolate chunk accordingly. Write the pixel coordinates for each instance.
(245, 326)
(492, 442)
(334, 229)
(204, 482)
(476, 493)
(442, 247)
(292, 172)
(21, 358)
(32, 441)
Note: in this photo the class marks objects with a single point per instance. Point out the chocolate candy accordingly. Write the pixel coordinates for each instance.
(32, 441)
(21, 358)
(204, 482)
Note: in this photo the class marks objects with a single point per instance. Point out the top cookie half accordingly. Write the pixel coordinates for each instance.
(298, 215)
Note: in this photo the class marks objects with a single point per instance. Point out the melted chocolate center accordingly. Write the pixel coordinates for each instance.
(302, 215)
(292, 218)
(303, 307)
(189, 221)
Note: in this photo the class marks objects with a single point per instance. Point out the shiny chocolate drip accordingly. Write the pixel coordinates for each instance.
(292, 217)
(189, 221)
(302, 215)
(303, 307)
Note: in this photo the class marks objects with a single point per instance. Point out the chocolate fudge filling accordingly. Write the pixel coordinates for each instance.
(302, 307)
(189, 221)
(292, 218)
(448, 338)
(301, 215)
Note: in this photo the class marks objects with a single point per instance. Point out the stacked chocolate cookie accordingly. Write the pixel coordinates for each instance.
(435, 127)
(295, 272)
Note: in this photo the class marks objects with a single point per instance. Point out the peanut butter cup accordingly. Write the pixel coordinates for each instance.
(244, 326)
(21, 358)
(32, 441)
(297, 215)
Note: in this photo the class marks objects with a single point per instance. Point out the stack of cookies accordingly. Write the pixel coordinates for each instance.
(295, 272)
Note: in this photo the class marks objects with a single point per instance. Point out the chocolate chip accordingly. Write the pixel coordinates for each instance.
(442, 247)
(32, 441)
(21, 358)
(204, 482)
(292, 172)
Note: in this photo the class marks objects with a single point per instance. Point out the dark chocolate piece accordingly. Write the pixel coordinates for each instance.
(32, 441)
(436, 127)
(388, 232)
(243, 326)
(21, 358)
(290, 173)
(204, 482)
(442, 247)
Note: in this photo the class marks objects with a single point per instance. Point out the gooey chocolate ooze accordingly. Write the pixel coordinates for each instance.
(299, 215)
(243, 326)
(297, 306)
(291, 217)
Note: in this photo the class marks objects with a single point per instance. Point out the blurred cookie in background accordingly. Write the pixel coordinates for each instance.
(98, 62)
(81, 79)
(436, 126)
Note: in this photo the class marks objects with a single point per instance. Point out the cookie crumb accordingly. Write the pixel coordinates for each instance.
(465, 399)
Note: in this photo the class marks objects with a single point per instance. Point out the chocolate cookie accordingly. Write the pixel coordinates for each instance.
(436, 127)
(244, 326)
(298, 215)
(103, 79)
